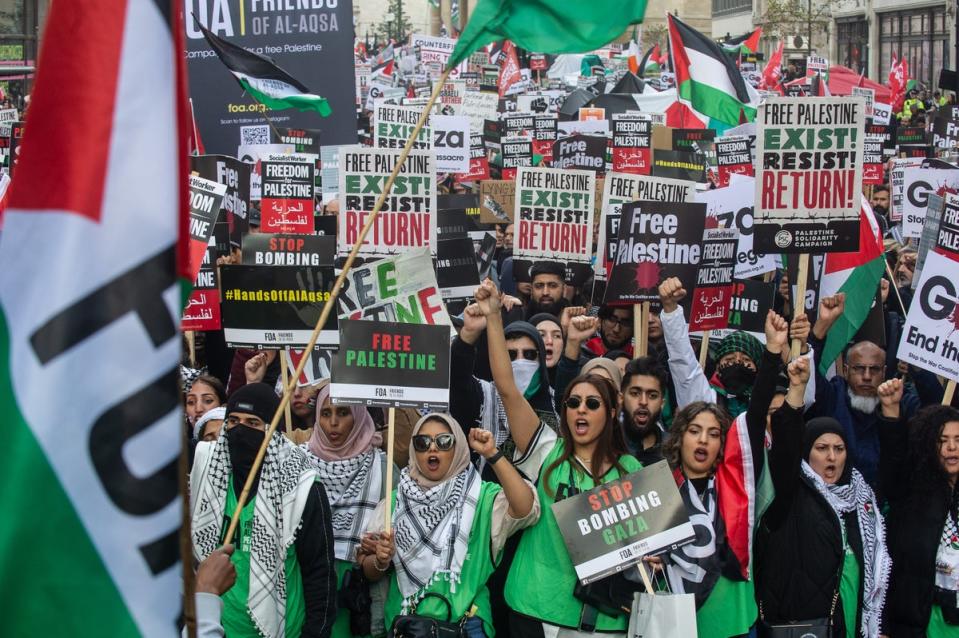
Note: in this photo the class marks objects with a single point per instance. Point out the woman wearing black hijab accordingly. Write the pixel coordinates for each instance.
(821, 552)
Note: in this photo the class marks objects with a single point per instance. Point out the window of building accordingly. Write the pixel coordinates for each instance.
(921, 36)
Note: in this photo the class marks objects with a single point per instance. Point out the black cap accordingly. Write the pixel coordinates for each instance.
(257, 399)
(254, 216)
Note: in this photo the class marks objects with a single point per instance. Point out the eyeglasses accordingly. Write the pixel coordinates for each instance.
(592, 403)
(624, 323)
(861, 370)
(529, 355)
(253, 422)
(444, 442)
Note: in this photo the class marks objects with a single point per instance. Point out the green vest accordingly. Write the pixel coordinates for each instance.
(541, 580)
(477, 568)
(236, 619)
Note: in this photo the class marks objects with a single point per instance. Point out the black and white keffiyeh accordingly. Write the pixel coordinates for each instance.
(431, 529)
(856, 496)
(286, 478)
(354, 487)
(695, 568)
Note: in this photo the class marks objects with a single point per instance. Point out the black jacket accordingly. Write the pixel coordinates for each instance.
(314, 553)
(916, 518)
(799, 550)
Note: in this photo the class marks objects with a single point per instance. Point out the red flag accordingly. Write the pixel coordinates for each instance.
(509, 73)
(773, 72)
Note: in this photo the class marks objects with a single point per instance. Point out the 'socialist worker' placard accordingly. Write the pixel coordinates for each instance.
(406, 219)
(809, 178)
(613, 526)
(392, 365)
(286, 204)
(554, 214)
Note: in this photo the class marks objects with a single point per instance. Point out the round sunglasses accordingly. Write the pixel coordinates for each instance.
(444, 442)
(592, 403)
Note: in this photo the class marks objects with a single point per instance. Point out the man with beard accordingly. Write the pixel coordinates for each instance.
(615, 331)
(880, 202)
(905, 267)
(853, 400)
(546, 278)
(644, 389)
(286, 581)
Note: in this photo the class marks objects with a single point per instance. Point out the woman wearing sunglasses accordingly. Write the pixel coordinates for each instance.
(444, 513)
(589, 451)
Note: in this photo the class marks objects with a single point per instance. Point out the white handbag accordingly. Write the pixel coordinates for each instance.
(662, 615)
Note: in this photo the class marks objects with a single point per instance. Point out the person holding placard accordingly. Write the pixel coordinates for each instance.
(719, 466)
(444, 514)
(836, 571)
(923, 520)
(344, 450)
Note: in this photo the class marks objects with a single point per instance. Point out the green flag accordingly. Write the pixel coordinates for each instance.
(547, 26)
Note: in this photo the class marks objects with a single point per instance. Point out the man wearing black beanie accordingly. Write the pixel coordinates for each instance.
(547, 279)
(286, 580)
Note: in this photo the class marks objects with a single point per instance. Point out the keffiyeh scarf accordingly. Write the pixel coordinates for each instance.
(286, 478)
(431, 529)
(695, 568)
(856, 496)
(354, 487)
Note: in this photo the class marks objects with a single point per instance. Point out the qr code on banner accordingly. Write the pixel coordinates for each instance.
(254, 135)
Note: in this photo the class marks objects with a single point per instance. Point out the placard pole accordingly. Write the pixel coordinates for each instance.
(390, 440)
(328, 308)
(704, 349)
(799, 303)
(948, 392)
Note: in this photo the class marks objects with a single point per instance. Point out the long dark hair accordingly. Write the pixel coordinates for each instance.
(610, 444)
(214, 383)
(673, 444)
(925, 429)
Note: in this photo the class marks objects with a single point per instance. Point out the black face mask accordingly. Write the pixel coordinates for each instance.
(243, 443)
(737, 378)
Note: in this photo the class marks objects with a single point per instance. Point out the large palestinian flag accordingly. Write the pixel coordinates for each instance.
(746, 44)
(264, 80)
(707, 80)
(89, 345)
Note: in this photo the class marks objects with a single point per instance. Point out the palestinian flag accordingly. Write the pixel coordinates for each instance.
(707, 80)
(264, 80)
(745, 44)
(383, 62)
(650, 63)
(90, 300)
(856, 274)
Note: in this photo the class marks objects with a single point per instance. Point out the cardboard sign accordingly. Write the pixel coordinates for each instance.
(873, 163)
(202, 310)
(586, 152)
(897, 182)
(479, 106)
(263, 249)
(732, 208)
(679, 165)
(406, 219)
(809, 181)
(614, 525)
(393, 125)
(496, 201)
(391, 365)
(714, 281)
(619, 188)
(402, 288)
(451, 143)
(632, 143)
(276, 306)
(733, 157)
(918, 183)
(456, 268)
(286, 204)
(205, 200)
(657, 240)
(554, 215)
(235, 175)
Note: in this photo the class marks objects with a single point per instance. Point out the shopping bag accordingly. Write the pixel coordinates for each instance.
(663, 616)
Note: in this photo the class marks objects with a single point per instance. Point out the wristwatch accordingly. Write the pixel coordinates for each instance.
(493, 459)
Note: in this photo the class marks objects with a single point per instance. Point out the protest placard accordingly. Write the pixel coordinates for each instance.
(544, 135)
(451, 143)
(751, 301)
(714, 281)
(451, 97)
(497, 201)
(402, 288)
(692, 140)
(733, 157)
(619, 188)
(316, 368)
(881, 113)
(391, 365)
(236, 176)
(679, 165)
(275, 306)
(393, 125)
(632, 144)
(264, 249)
(873, 162)
(325, 226)
(554, 215)
(809, 180)
(945, 128)
(221, 238)
(456, 269)
(897, 184)
(406, 219)
(614, 525)
(911, 136)
(929, 339)
(434, 49)
(286, 205)
(657, 240)
(479, 106)
(517, 151)
(886, 133)
(868, 95)
(588, 113)
(929, 235)
(733, 208)
(205, 199)
(479, 162)
(918, 183)
(586, 152)
(202, 310)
